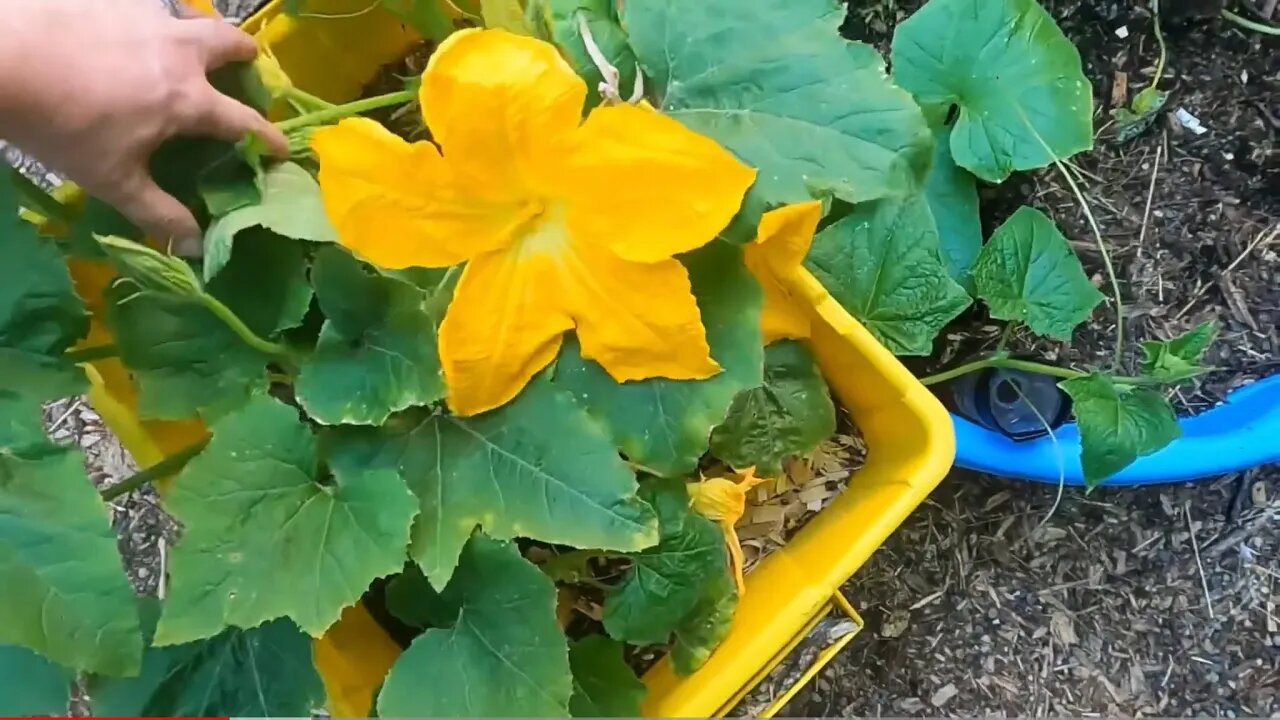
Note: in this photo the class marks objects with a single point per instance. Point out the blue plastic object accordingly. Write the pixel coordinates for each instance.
(1242, 432)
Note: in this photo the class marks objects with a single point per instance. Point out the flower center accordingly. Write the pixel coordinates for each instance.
(544, 232)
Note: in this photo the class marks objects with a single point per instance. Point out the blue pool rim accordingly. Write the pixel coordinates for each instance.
(1241, 433)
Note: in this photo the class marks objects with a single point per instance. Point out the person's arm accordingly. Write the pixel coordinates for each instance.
(91, 87)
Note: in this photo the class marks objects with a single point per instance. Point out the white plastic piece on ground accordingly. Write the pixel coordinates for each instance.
(1190, 122)
(1122, 32)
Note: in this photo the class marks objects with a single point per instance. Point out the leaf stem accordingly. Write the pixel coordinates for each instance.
(237, 326)
(39, 200)
(338, 112)
(306, 99)
(1164, 53)
(1251, 25)
(1008, 363)
(159, 471)
(91, 353)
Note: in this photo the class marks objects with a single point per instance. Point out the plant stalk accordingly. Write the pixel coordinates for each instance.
(307, 100)
(1164, 53)
(1008, 363)
(1250, 24)
(338, 112)
(237, 326)
(94, 352)
(159, 471)
(40, 201)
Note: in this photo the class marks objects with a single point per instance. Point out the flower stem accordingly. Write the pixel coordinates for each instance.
(338, 112)
(1164, 53)
(307, 100)
(89, 354)
(40, 201)
(1008, 363)
(1249, 24)
(237, 326)
(159, 471)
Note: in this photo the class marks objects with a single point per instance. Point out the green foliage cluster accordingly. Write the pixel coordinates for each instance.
(333, 463)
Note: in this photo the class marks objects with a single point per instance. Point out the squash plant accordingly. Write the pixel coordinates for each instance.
(467, 378)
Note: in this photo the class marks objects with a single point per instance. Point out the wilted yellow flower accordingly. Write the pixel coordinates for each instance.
(274, 78)
(724, 501)
(778, 252)
(563, 224)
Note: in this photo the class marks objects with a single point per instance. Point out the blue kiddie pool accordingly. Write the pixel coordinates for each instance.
(1241, 433)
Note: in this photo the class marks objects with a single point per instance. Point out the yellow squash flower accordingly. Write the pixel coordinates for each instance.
(563, 224)
(724, 501)
(778, 252)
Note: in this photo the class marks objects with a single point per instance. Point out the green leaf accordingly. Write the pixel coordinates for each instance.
(557, 21)
(665, 425)
(40, 312)
(1015, 76)
(1029, 273)
(263, 672)
(65, 594)
(882, 263)
(706, 626)
(291, 206)
(1133, 121)
(537, 467)
(504, 14)
(603, 683)
(267, 536)
(265, 283)
(1178, 359)
(184, 359)
(414, 602)
(952, 195)
(428, 18)
(667, 581)
(773, 81)
(789, 415)
(29, 381)
(504, 657)
(377, 351)
(31, 686)
(1118, 424)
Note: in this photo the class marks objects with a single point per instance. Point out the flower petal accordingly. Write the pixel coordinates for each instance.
(498, 105)
(393, 203)
(778, 252)
(503, 325)
(674, 188)
(638, 320)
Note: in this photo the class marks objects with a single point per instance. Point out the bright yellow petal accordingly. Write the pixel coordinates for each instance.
(649, 186)
(638, 320)
(393, 202)
(499, 105)
(778, 252)
(719, 499)
(503, 325)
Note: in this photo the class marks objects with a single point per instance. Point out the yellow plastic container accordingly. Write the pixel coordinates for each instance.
(907, 431)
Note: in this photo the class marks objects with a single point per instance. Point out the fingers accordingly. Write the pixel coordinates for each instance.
(228, 119)
(219, 42)
(155, 212)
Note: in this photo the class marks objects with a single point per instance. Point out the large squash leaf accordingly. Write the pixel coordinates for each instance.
(504, 657)
(952, 195)
(773, 81)
(603, 684)
(1015, 76)
(31, 686)
(1029, 273)
(377, 349)
(557, 21)
(706, 625)
(267, 536)
(882, 264)
(1118, 424)
(665, 425)
(30, 380)
(266, 671)
(665, 586)
(65, 594)
(788, 415)
(537, 467)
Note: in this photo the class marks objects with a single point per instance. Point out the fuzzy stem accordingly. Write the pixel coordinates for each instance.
(237, 326)
(1249, 24)
(40, 201)
(1164, 53)
(1008, 363)
(338, 112)
(307, 100)
(159, 471)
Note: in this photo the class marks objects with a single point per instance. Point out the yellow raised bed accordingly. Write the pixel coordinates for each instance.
(907, 431)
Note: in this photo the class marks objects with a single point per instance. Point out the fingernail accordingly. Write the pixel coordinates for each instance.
(192, 247)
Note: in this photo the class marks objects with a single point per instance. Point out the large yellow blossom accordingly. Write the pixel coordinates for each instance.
(778, 252)
(563, 223)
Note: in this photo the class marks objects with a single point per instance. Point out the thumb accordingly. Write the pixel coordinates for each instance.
(158, 214)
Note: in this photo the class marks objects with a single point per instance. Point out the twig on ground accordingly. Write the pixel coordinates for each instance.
(1146, 214)
(1195, 547)
(1264, 238)
(63, 417)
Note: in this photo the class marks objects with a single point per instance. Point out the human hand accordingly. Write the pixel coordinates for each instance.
(91, 87)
